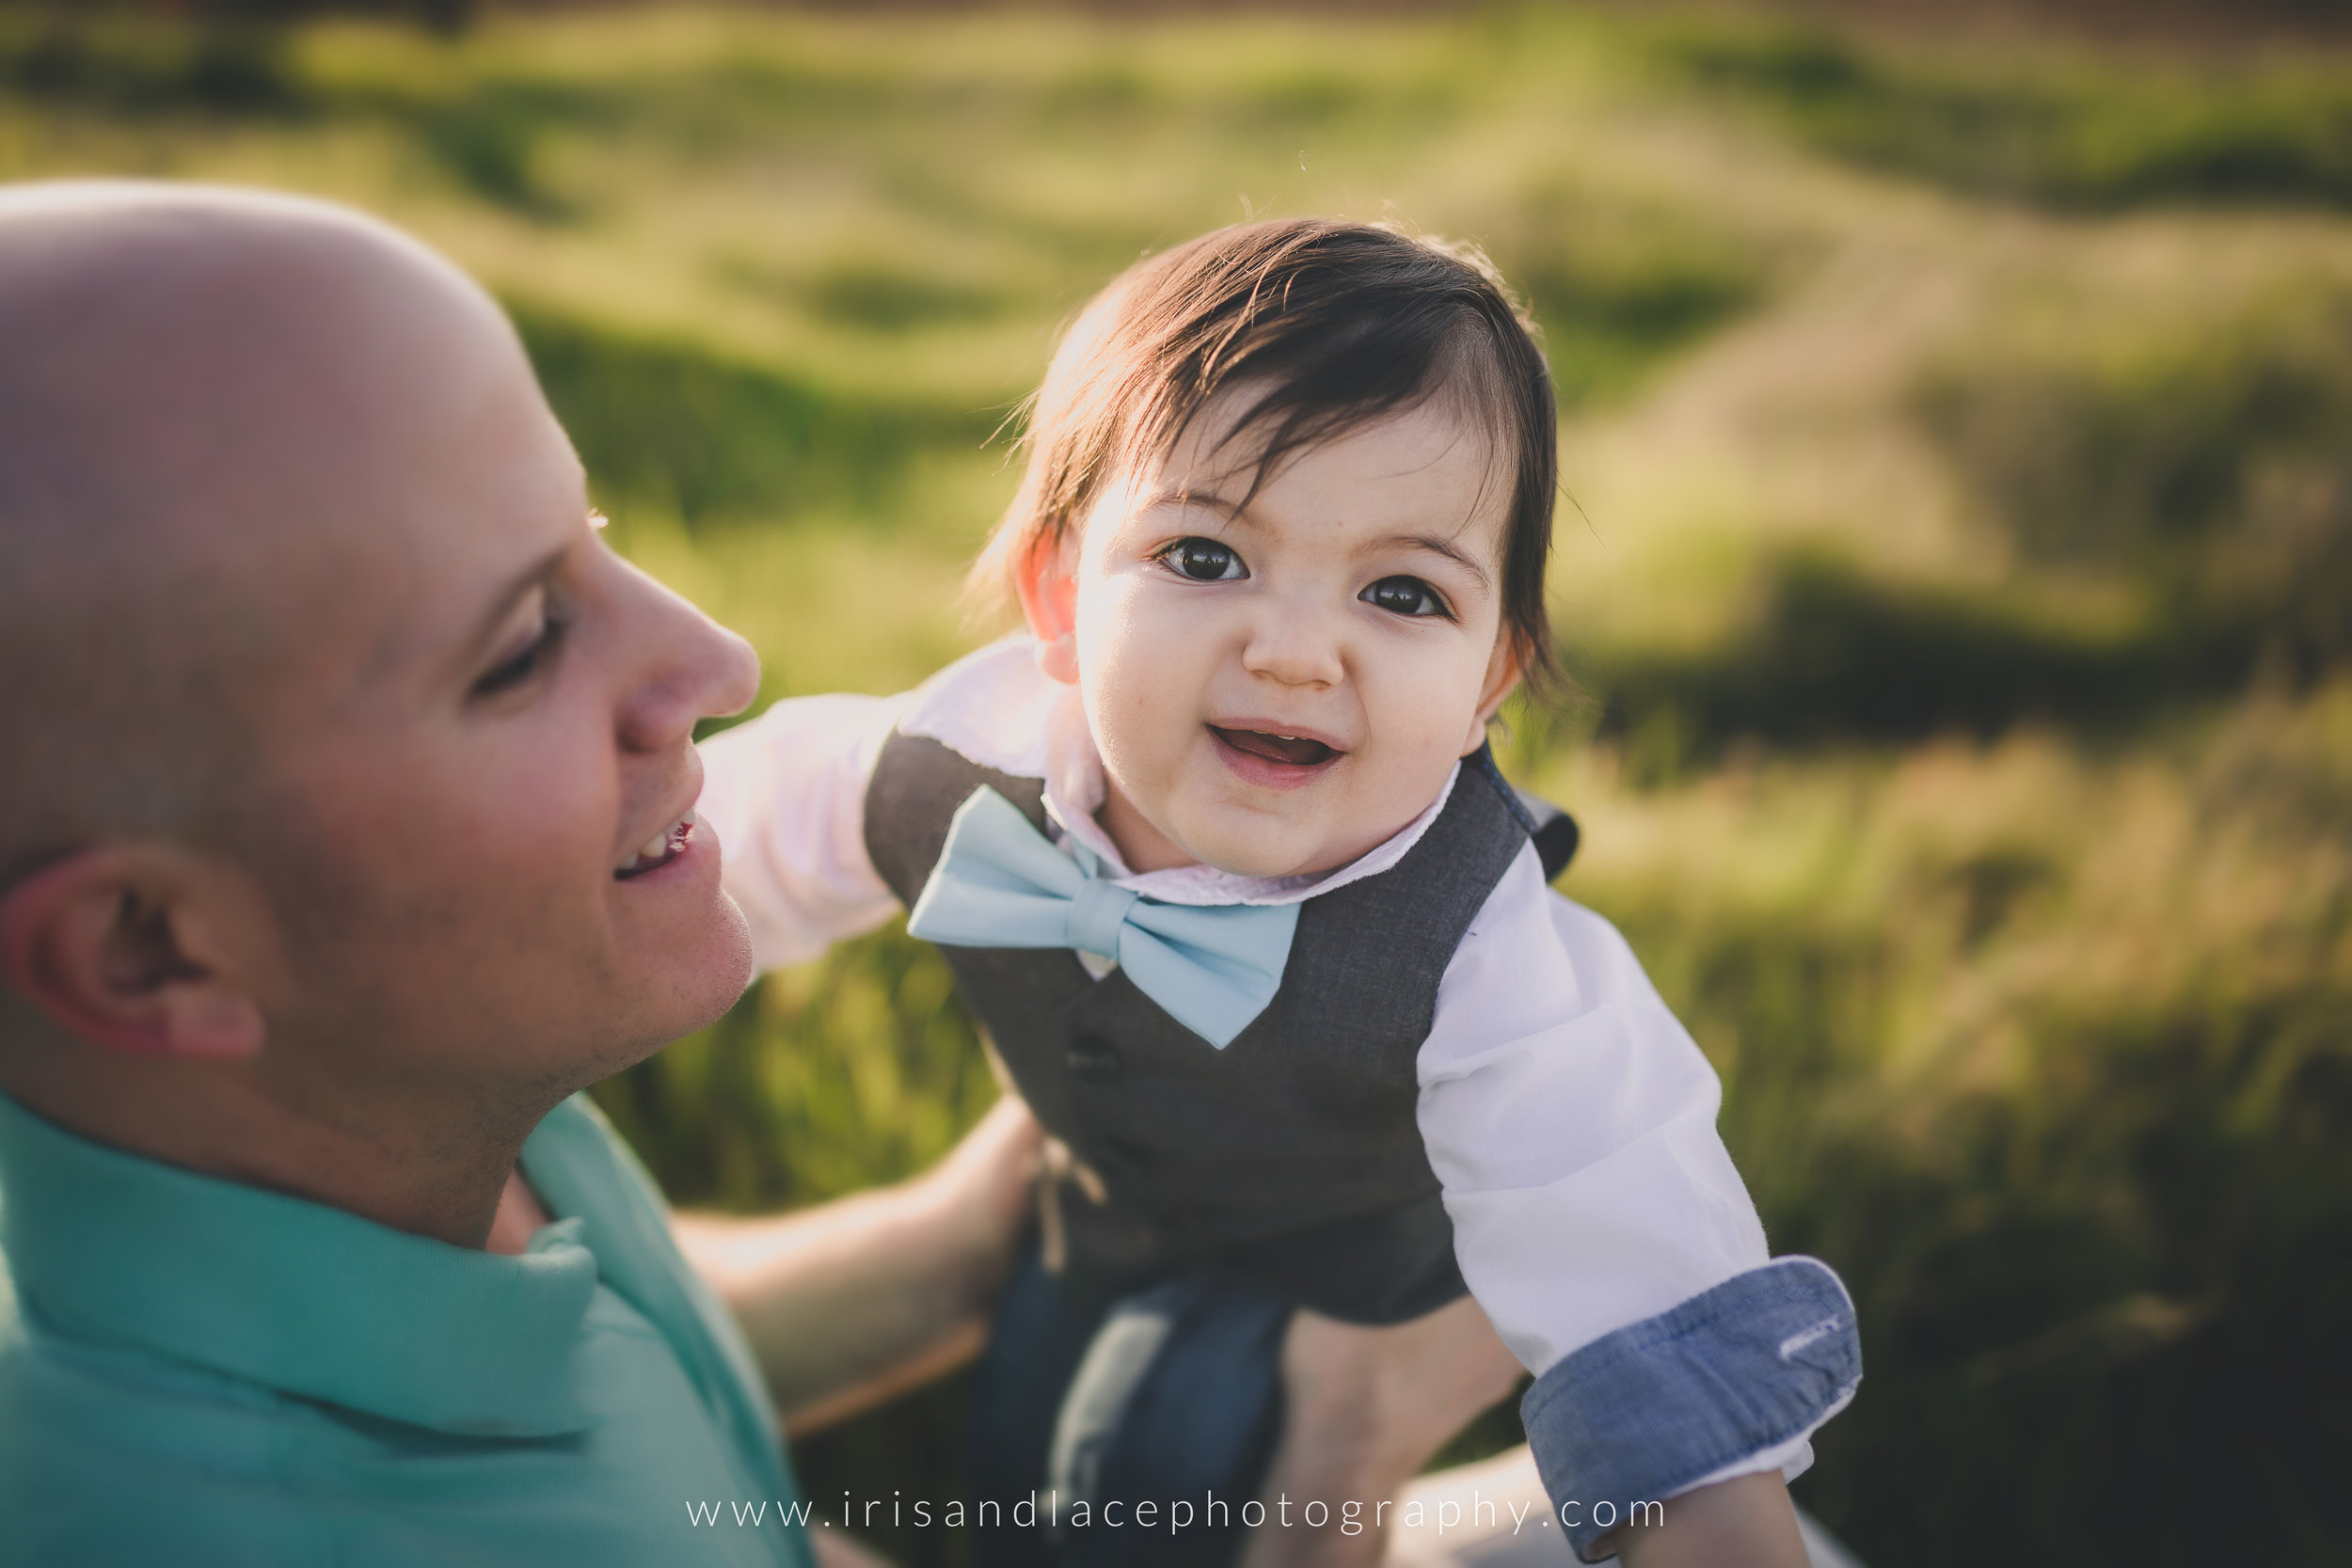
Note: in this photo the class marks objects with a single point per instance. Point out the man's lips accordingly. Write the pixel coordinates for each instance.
(659, 850)
(1282, 749)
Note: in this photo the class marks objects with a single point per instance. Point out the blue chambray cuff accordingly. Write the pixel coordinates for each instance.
(1642, 1413)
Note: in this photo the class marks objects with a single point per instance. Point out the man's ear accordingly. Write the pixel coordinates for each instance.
(1503, 670)
(1048, 584)
(140, 948)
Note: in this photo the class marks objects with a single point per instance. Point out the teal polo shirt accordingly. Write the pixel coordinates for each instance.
(201, 1373)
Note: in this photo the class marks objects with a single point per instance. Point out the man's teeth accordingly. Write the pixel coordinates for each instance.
(661, 847)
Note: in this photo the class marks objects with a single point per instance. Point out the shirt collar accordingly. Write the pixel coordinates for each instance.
(998, 709)
(299, 1297)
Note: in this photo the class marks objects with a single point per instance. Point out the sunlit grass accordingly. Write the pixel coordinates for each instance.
(2058, 127)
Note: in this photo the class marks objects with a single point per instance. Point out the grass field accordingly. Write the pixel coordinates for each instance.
(1960, 564)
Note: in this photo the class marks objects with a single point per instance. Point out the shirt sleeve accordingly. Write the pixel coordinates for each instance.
(1598, 1219)
(786, 794)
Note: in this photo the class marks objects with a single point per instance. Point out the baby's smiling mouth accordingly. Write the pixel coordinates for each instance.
(1291, 751)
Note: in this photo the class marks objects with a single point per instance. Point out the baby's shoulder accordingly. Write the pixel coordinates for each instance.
(1533, 940)
(993, 706)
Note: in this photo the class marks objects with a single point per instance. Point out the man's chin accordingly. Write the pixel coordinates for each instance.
(711, 977)
(732, 965)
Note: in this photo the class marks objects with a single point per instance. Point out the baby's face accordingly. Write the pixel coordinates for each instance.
(1276, 688)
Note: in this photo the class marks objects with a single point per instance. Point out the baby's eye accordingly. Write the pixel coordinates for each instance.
(1205, 561)
(1405, 597)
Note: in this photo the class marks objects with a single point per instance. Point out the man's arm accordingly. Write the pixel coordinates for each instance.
(1366, 1409)
(1746, 1522)
(850, 1303)
(1363, 1410)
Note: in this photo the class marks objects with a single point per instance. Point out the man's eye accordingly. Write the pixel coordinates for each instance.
(516, 670)
(1405, 597)
(1205, 561)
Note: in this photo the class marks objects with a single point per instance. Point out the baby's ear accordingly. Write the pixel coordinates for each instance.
(1048, 584)
(1504, 672)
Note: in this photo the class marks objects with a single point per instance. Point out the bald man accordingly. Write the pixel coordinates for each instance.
(346, 833)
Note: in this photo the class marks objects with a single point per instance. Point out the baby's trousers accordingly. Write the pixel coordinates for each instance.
(1136, 1428)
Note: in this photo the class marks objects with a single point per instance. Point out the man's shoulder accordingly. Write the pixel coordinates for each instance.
(112, 1455)
(60, 1393)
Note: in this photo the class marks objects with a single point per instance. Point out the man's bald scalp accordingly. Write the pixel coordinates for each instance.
(201, 392)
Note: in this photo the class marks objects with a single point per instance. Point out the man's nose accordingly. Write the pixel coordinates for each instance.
(1295, 644)
(696, 669)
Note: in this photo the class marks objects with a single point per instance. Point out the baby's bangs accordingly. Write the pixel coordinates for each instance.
(1322, 392)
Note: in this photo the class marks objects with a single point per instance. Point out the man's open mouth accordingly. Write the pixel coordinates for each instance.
(1292, 751)
(659, 850)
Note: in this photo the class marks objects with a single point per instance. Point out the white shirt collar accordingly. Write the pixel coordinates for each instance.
(998, 708)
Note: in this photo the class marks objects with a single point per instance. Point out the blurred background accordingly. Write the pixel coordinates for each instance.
(1958, 565)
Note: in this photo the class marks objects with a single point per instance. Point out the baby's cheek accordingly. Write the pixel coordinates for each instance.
(1137, 680)
(1428, 705)
(1134, 731)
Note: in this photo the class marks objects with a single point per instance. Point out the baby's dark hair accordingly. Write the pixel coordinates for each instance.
(1342, 323)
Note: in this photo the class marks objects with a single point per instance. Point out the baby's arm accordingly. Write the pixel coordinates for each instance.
(786, 794)
(1600, 1223)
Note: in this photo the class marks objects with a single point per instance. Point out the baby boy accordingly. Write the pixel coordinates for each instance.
(1222, 864)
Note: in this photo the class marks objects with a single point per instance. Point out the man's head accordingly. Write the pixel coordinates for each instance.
(331, 720)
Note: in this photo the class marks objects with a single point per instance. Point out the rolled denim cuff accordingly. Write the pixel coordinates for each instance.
(1643, 1413)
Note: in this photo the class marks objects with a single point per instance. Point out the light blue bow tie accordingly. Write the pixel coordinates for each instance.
(1000, 884)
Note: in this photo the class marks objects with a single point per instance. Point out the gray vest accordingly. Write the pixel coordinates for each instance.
(1290, 1157)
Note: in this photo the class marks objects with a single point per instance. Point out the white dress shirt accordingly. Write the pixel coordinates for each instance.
(1567, 1113)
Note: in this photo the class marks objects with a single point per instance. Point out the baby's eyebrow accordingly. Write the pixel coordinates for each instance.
(1239, 514)
(1209, 499)
(1437, 545)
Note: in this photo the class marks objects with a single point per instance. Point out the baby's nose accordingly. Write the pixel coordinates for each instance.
(1294, 649)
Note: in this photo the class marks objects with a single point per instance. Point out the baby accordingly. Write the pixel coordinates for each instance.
(1222, 862)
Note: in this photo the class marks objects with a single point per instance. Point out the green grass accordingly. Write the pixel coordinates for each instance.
(2065, 132)
(2055, 1042)
(1960, 539)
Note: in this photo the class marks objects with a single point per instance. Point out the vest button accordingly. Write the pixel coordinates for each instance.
(1093, 1058)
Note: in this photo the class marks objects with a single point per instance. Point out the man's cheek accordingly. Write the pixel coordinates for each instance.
(500, 840)
(550, 833)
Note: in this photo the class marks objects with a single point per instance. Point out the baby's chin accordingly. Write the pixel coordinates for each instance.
(1267, 854)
